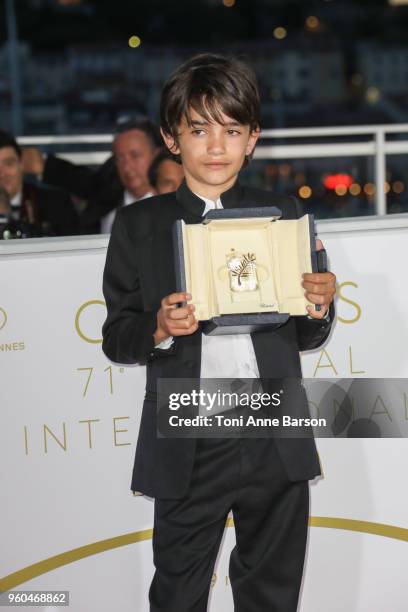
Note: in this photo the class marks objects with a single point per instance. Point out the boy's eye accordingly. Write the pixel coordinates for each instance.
(233, 132)
(197, 132)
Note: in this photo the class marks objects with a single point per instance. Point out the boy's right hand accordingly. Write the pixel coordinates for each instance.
(174, 321)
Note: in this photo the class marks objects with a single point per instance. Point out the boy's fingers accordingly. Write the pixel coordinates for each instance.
(175, 298)
(321, 289)
(319, 278)
(316, 299)
(184, 327)
(319, 244)
(180, 313)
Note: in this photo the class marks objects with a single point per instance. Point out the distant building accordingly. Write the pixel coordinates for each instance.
(303, 80)
(383, 67)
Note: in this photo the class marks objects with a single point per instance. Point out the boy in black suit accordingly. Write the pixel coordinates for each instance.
(210, 118)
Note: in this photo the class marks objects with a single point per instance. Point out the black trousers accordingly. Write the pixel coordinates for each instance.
(270, 517)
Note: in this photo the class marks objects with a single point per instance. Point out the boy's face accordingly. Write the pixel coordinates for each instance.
(212, 154)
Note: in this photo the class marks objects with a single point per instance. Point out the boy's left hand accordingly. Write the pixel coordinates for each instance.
(320, 288)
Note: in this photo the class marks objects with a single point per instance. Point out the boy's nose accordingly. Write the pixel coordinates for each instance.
(216, 145)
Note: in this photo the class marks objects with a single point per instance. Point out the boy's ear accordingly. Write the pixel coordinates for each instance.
(252, 140)
(170, 142)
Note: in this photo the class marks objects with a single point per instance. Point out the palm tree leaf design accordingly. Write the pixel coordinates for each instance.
(245, 268)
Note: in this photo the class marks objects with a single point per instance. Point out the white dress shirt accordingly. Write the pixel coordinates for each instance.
(224, 356)
(128, 198)
(15, 205)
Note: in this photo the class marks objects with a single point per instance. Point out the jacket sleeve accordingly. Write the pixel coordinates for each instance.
(66, 218)
(128, 329)
(57, 211)
(312, 333)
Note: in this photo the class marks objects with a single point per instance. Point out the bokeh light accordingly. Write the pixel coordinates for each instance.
(369, 189)
(341, 190)
(312, 22)
(134, 42)
(398, 186)
(280, 33)
(305, 192)
(355, 189)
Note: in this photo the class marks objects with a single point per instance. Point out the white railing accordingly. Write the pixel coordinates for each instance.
(376, 146)
(98, 243)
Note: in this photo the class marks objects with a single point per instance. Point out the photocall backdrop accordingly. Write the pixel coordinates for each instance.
(69, 423)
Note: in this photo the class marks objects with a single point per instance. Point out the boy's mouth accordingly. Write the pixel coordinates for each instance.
(216, 165)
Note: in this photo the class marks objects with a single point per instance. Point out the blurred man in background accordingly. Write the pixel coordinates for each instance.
(165, 173)
(11, 229)
(121, 180)
(48, 211)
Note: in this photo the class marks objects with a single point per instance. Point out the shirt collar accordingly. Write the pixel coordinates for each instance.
(197, 205)
(209, 204)
(16, 201)
(129, 198)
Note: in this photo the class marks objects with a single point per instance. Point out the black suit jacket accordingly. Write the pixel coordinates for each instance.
(139, 272)
(50, 210)
(101, 188)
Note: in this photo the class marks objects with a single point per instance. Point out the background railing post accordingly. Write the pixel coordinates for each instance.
(380, 158)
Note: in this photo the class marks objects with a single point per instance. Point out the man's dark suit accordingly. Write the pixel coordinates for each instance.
(138, 274)
(101, 188)
(48, 209)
